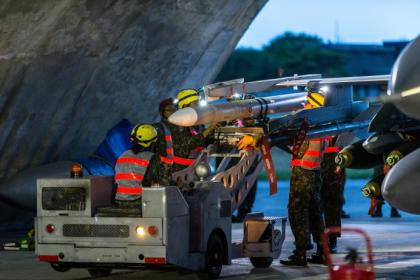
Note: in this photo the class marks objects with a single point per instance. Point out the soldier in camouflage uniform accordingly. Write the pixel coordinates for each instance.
(305, 215)
(332, 190)
(183, 139)
(138, 167)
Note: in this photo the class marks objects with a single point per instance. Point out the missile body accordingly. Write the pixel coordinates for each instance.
(240, 109)
(326, 130)
(401, 151)
(400, 187)
(355, 156)
(382, 144)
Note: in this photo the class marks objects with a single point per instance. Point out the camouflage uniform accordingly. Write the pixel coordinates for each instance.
(305, 214)
(304, 209)
(183, 143)
(155, 173)
(332, 191)
(161, 150)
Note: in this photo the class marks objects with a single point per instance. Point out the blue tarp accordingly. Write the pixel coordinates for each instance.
(116, 142)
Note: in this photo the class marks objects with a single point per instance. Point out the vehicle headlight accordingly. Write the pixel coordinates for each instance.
(140, 231)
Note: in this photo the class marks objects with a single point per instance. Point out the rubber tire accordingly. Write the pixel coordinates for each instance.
(261, 262)
(214, 256)
(60, 267)
(99, 272)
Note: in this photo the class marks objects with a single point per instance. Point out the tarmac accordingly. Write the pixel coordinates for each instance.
(396, 248)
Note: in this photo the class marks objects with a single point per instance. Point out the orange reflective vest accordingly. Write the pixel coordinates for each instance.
(331, 148)
(129, 173)
(311, 158)
(170, 157)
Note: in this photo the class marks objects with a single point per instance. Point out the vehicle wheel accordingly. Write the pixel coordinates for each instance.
(214, 256)
(99, 272)
(261, 262)
(60, 267)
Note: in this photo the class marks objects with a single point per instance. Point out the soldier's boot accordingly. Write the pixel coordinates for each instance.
(395, 213)
(318, 257)
(295, 259)
(333, 244)
(378, 211)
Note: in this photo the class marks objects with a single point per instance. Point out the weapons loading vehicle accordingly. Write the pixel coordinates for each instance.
(189, 227)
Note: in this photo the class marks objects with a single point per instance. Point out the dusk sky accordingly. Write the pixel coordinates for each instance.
(356, 21)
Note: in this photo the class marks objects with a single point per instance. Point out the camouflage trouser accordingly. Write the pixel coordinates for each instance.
(332, 201)
(128, 203)
(332, 191)
(305, 214)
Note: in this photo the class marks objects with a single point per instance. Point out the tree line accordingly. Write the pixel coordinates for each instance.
(285, 55)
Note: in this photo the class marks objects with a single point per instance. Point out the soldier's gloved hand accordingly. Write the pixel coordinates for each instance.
(247, 141)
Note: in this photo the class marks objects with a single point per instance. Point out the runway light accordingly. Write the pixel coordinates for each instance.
(140, 231)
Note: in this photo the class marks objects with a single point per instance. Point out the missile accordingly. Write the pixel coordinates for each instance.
(400, 187)
(322, 131)
(240, 109)
(355, 156)
(382, 144)
(401, 151)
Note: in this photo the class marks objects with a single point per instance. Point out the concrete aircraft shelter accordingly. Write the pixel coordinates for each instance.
(70, 70)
